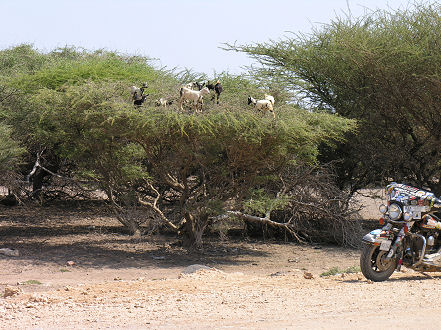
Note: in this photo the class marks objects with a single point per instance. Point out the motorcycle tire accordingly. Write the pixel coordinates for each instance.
(373, 264)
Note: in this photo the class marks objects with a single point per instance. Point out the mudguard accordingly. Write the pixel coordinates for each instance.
(371, 237)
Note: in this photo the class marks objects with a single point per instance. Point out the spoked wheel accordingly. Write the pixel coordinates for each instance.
(374, 265)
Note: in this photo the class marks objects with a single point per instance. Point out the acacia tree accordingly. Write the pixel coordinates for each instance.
(10, 157)
(13, 62)
(26, 72)
(184, 169)
(218, 159)
(180, 169)
(382, 69)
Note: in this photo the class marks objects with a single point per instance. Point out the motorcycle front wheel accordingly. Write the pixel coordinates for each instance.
(374, 265)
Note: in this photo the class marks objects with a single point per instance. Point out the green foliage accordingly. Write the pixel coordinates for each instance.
(382, 69)
(64, 270)
(87, 125)
(75, 105)
(248, 140)
(260, 202)
(30, 282)
(20, 59)
(10, 150)
(88, 67)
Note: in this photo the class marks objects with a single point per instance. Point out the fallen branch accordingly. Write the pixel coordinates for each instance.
(268, 221)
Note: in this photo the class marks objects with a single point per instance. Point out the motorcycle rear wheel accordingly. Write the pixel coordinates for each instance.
(373, 264)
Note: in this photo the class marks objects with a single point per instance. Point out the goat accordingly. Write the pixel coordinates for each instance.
(195, 85)
(195, 96)
(138, 95)
(262, 105)
(163, 102)
(200, 85)
(140, 101)
(217, 88)
(190, 85)
(269, 98)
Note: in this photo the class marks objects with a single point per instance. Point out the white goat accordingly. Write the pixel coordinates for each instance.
(195, 96)
(269, 98)
(262, 105)
(195, 85)
(190, 85)
(162, 102)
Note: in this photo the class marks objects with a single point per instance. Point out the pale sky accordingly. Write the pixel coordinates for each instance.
(183, 34)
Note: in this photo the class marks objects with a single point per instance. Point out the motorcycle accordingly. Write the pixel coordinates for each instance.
(410, 235)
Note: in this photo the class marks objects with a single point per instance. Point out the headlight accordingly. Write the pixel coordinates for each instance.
(383, 208)
(395, 211)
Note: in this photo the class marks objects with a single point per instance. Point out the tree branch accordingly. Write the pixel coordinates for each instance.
(173, 182)
(266, 220)
(155, 208)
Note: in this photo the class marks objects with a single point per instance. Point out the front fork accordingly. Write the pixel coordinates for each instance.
(397, 248)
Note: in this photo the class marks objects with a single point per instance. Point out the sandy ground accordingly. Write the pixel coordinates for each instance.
(78, 270)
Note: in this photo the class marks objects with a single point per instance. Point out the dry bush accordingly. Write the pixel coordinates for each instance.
(316, 210)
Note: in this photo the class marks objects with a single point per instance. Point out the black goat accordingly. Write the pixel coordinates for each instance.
(140, 101)
(217, 88)
(138, 95)
(200, 85)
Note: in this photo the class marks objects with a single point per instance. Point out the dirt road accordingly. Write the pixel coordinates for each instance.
(265, 295)
(214, 299)
(73, 276)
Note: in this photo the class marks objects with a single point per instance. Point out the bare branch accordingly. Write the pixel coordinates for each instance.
(156, 209)
(36, 165)
(173, 182)
(253, 218)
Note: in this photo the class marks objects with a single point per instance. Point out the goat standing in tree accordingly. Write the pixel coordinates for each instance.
(195, 96)
(162, 102)
(195, 85)
(138, 95)
(266, 104)
(217, 88)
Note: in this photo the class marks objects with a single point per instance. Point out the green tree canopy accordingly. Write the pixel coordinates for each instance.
(194, 162)
(382, 69)
(182, 168)
(10, 150)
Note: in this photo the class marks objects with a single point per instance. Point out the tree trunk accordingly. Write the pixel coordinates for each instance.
(188, 237)
(131, 224)
(193, 230)
(37, 183)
